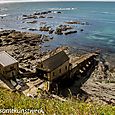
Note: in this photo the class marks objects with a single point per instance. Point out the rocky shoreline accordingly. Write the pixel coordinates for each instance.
(23, 46)
(26, 48)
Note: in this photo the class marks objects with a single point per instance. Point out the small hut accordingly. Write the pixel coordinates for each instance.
(8, 65)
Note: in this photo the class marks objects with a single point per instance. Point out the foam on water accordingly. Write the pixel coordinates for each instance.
(3, 15)
(63, 9)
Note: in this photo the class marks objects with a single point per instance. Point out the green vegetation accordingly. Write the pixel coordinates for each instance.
(52, 106)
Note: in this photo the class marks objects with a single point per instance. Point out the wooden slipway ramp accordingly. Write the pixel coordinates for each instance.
(82, 64)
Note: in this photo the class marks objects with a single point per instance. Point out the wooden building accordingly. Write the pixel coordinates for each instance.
(8, 65)
(54, 66)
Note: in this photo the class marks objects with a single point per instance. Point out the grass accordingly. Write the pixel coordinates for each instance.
(10, 100)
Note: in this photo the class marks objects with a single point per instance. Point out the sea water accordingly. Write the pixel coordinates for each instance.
(100, 33)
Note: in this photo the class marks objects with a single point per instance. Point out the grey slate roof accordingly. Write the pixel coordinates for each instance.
(55, 61)
(6, 59)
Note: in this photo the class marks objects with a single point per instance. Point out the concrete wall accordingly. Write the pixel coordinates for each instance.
(56, 73)
(1, 69)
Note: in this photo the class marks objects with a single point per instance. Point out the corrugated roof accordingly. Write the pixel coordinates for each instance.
(55, 61)
(6, 59)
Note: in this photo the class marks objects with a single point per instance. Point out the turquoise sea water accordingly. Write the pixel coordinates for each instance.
(100, 33)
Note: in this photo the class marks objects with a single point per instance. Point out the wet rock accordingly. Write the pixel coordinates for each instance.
(65, 27)
(31, 35)
(45, 28)
(15, 35)
(42, 13)
(37, 13)
(84, 23)
(41, 16)
(32, 29)
(81, 30)
(58, 31)
(42, 22)
(32, 22)
(58, 12)
(50, 17)
(47, 12)
(30, 17)
(51, 31)
(24, 28)
(22, 69)
(73, 22)
(6, 32)
(45, 38)
(70, 32)
(61, 28)
(32, 44)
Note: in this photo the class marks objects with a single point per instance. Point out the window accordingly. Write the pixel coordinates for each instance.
(41, 65)
(59, 70)
(53, 74)
(65, 67)
(11, 67)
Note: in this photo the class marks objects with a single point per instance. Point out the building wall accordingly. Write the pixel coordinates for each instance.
(59, 71)
(1, 71)
(11, 70)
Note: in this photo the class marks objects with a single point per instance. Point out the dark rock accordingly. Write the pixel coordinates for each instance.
(49, 11)
(32, 22)
(59, 12)
(37, 13)
(1, 42)
(70, 32)
(51, 31)
(32, 44)
(42, 13)
(58, 31)
(81, 30)
(45, 38)
(30, 17)
(32, 29)
(25, 15)
(44, 28)
(50, 17)
(65, 27)
(22, 70)
(15, 35)
(73, 22)
(42, 22)
(41, 16)
(6, 32)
